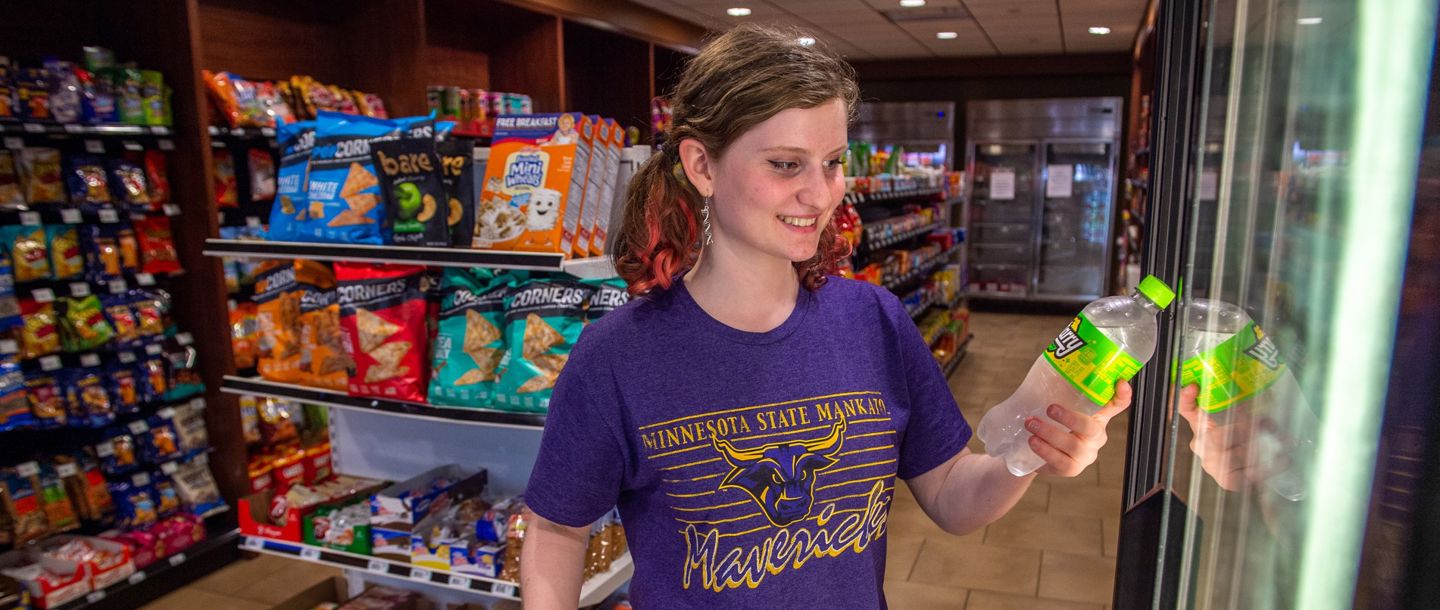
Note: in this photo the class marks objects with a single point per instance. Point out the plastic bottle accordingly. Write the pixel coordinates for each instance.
(1108, 341)
(1243, 379)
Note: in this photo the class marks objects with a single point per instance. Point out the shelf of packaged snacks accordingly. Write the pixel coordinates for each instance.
(434, 257)
(919, 272)
(55, 214)
(995, 294)
(910, 193)
(916, 312)
(954, 363)
(243, 133)
(49, 289)
(41, 128)
(592, 592)
(484, 417)
(885, 242)
(167, 575)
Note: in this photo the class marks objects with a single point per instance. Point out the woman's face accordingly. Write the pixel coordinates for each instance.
(779, 183)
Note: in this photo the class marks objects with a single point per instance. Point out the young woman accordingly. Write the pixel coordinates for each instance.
(748, 414)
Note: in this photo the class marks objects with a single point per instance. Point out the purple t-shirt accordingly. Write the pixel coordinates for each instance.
(752, 470)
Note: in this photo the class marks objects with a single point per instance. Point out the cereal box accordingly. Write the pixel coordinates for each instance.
(593, 183)
(599, 215)
(534, 183)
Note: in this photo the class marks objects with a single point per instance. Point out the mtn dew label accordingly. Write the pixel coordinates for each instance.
(1243, 366)
(1089, 360)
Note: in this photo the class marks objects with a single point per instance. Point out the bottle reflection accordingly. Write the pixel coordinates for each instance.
(1252, 426)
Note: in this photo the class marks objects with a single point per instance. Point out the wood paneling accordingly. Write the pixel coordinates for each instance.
(269, 40)
(607, 74)
(627, 18)
(522, 48)
(457, 67)
(386, 45)
(668, 65)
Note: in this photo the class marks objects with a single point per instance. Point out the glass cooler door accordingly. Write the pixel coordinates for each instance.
(1072, 249)
(1002, 219)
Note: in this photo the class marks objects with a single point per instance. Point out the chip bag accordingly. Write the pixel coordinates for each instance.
(157, 246)
(610, 294)
(277, 299)
(83, 326)
(129, 184)
(129, 247)
(322, 342)
(414, 191)
(40, 175)
(543, 320)
(66, 259)
(382, 309)
(290, 214)
(101, 246)
(244, 334)
(9, 305)
(10, 196)
(29, 254)
(40, 331)
(471, 341)
(47, 404)
(457, 171)
(87, 181)
(90, 402)
(223, 166)
(262, 174)
(344, 192)
(158, 177)
(122, 318)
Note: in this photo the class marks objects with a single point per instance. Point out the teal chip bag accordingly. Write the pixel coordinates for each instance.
(471, 339)
(543, 320)
(346, 205)
(291, 212)
(610, 294)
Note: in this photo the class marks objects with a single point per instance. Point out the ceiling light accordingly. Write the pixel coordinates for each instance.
(1099, 30)
(738, 11)
(912, 3)
(1309, 20)
(946, 35)
(805, 41)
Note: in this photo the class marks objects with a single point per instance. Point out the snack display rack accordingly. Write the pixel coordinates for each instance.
(257, 386)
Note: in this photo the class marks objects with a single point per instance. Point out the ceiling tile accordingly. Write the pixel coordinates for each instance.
(885, 5)
(803, 6)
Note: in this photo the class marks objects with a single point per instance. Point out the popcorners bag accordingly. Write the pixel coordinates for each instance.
(543, 320)
(471, 338)
(291, 212)
(345, 202)
(382, 309)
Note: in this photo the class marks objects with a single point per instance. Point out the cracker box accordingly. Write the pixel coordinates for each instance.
(117, 563)
(599, 215)
(534, 183)
(396, 510)
(51, 582)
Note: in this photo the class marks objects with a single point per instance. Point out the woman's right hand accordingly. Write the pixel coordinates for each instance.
(1229, 451)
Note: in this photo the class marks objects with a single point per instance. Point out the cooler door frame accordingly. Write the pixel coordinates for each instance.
(1043, 176)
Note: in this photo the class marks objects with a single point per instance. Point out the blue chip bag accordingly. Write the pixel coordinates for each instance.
(15, 412)
(543, 319)
(471, 339)
(291, 212)
(135, 501)
(87, 397)
(345, 201)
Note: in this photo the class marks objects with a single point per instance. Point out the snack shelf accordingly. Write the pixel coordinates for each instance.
(910, 193)
(592, 592)
(954, 362)
(243, 133)
(922, 271)
(484, 417)
(924, 306)
(885, 242)
(56, 214)
(82, 129)
(404, 255)
(163, 576)
(81, 287)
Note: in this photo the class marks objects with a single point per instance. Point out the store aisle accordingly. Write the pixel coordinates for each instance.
(1055, 550)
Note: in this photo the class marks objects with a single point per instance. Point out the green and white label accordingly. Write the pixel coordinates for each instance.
(1240, 367)
(1089, 360)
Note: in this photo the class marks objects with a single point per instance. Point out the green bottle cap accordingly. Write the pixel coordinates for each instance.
(1156, 291)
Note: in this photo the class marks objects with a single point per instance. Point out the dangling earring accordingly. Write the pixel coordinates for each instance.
(705, 222)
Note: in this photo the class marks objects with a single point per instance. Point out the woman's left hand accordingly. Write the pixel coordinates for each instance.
(1073, 440)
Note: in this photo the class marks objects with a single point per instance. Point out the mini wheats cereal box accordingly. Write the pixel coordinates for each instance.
(534, 183)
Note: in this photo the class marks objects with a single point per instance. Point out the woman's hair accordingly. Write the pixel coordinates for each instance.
(740, 79)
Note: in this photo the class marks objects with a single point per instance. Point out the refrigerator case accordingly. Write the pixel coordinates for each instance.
(1043, 182)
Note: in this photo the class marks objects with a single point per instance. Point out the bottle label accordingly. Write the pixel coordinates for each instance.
(1089, 360)
(1242, 366)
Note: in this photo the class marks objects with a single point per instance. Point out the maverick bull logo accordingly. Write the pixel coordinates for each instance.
(780, 477)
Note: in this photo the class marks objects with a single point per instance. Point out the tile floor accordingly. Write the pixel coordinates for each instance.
(1054, 551)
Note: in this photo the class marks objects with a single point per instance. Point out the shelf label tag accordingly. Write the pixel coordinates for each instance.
(377, 565)
(172, 209)
(30, 219)
(141, 479)
(139, 427)
(104, 449)
(184, 339)
(153, 349)
(70, 216)
(145, 279)
(34, 128)
(94, 147)
(72, 128)
(49, 363)
(457, 580)
(254, 544)
(9, 346)
(43, 295)
(420, 574)
(177, 559)
(89, 360)
(136, 578)
(167, 145)
(310, 554)
(166, 413)
(132, 145)
(503, 590)
(169, 468)
(28, 469)
(117, 286)
(126, 357)
(109, 216)
(252, 222)
(66, 470)
(79, 289)
(95, 596)
(14, 143)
